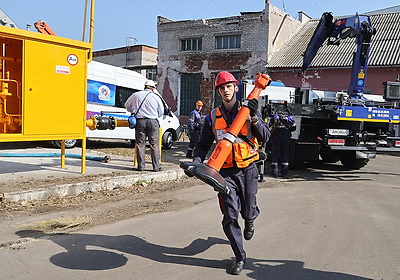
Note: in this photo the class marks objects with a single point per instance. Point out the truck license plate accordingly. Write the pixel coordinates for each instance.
(340, 132)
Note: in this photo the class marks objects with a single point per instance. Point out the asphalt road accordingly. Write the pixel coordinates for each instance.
(325, 223)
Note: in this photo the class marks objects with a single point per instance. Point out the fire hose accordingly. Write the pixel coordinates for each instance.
(209, 173)
(102, 159)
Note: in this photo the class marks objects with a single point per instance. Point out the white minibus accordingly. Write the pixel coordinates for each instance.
(108, 89)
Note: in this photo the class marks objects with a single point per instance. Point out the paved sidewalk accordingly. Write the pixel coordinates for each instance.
(119, 171)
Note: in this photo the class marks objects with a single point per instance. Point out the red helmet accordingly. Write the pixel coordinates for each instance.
(199, 103)
(223, 78)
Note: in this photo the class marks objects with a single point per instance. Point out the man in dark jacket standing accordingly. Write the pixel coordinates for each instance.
(195, 124)
(281, 133)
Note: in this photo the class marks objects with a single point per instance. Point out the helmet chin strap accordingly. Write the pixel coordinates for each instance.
(230, 103)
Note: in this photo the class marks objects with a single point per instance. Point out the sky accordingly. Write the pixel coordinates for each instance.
(121, 22)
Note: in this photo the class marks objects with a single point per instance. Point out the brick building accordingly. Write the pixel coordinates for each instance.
(192, 52)
(140, 58)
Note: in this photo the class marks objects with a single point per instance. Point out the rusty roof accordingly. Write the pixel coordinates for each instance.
(385, 46)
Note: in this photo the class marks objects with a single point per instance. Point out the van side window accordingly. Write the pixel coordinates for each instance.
(121, 95)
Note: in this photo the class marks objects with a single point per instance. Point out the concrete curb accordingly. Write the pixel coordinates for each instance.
(103, 184)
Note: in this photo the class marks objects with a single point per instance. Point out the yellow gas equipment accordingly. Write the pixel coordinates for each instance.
(43, 82)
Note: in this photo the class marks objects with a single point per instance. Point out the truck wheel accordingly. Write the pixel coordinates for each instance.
(349, 160)
(69, 143)
(327, 155)
(167, 140)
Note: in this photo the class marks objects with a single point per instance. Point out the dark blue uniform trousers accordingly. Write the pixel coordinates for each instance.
(244, 186)
(280, 145)
(193, 139)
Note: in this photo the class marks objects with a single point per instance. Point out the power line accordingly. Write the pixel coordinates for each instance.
(283, 6)
(315, 1)
(209, 2)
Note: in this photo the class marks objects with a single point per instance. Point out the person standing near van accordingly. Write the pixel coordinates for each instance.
(148, 107)
(195, 124)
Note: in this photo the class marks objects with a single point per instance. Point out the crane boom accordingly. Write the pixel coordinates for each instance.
(42, 27)
(358, 26)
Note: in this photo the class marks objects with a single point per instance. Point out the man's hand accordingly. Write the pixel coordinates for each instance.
(253, 106)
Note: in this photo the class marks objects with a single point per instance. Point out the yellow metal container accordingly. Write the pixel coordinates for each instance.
(43, 82)
(49, 96)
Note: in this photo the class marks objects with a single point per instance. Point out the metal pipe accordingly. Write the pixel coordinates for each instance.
(6, 118)
(84, 20)
(102, 159)
(91, 30)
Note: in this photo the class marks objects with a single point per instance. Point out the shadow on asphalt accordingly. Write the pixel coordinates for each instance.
(321, 171)
(22, 145)
(78, 256)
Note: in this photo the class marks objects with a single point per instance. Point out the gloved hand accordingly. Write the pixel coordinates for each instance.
(253, 106)
(290, 119)
(195, 160)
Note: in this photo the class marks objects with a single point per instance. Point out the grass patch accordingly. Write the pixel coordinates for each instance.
(60, 224)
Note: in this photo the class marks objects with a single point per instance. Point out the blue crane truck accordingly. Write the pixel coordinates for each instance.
(350, 127)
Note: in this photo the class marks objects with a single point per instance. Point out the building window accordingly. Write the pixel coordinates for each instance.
(151, 74)
(228, 42)
(194, 44)
(190, 92)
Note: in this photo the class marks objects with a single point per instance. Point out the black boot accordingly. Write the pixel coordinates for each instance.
(248, 231)
(284, 171)
(236, 267)
(275, 170)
